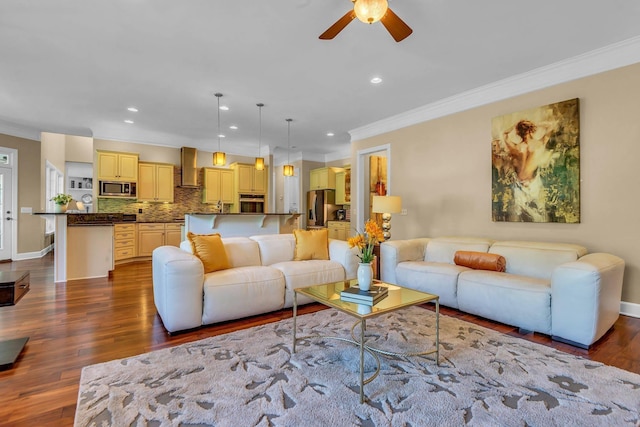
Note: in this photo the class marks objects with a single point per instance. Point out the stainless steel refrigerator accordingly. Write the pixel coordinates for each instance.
(320, 208)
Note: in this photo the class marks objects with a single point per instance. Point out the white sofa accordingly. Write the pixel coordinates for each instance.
(261, 279)
(553, 288)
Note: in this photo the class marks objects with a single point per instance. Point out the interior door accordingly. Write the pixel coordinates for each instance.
(7, 214)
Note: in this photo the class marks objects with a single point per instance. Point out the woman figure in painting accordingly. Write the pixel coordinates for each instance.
(526, 144)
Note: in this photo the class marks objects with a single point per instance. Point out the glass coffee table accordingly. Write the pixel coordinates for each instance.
(397, 298)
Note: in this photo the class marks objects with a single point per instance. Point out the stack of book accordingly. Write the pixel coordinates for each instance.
(370, 297)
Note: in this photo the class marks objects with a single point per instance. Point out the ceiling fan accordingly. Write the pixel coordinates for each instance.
(370, 11)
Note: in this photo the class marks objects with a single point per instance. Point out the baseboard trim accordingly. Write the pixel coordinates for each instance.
(630, 309)
(32, 255)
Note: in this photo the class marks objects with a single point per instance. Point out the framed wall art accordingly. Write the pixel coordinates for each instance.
(535, 162)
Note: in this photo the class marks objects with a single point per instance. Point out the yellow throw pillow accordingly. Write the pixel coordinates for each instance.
(311, 244)
(210, 250)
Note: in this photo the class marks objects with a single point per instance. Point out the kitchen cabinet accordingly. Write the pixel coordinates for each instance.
(339, 230)
(173, 234)
(155, 182)
(323, 178)
(116, 166)
(154, 235)
(218, 186)
(343, 187)
(124, 241)
(249, 180)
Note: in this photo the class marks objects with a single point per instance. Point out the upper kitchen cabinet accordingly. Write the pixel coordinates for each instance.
(323, 178)
(249, 180)
(218, 186)
(155, 182)
(343, 187)
(114, 166)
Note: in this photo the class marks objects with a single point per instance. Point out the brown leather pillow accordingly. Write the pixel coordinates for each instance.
(480, 260)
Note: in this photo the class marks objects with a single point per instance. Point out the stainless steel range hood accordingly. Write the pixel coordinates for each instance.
(188, 158)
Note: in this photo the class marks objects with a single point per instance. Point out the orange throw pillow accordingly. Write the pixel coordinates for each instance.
(210, 250)
(311, 244)
(480, 261)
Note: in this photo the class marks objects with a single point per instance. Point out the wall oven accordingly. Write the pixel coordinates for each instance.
(252, 203)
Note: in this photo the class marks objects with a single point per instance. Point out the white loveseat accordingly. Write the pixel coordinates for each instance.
(553, 288)
(261, 279)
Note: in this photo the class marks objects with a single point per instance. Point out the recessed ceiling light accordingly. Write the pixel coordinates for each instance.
(330, 134)
(133, 109)
(376, 80)
(224, 108)
(234, 127)
(221, 136)
(129, 121)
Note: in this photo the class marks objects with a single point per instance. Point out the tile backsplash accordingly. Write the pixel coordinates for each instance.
(185, 200)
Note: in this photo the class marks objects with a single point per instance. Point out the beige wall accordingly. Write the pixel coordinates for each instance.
(442, 170)
(78, 149)
(30, 227)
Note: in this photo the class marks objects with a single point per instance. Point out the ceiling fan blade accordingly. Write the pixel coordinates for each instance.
(396, 26)
(338, 26)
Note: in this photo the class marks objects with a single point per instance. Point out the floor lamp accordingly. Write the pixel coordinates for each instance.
(386, 205)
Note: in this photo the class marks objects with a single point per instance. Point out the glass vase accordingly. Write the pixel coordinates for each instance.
(365, 275)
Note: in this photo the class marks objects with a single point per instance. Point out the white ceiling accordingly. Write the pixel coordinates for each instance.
(74, 66)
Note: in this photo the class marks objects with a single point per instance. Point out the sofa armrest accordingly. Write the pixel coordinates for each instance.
(394, 252)
(340, 251)
(585, 298)
(178, 279)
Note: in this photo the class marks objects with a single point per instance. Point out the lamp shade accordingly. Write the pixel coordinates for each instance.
(370, 11)
(387, 204)
(287, 170)
(219, 158)
(259, 165)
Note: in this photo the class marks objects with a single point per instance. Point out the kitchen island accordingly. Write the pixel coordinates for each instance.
(241, 224)
(82, 251)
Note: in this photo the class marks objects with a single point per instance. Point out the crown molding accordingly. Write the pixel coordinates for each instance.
(608, 58)
(13, 129)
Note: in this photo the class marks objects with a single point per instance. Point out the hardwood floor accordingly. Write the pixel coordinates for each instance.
(85, 322)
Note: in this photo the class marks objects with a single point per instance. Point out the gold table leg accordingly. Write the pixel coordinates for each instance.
(295, 314)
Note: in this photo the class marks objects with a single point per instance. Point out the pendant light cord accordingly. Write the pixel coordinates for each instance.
(218, 95)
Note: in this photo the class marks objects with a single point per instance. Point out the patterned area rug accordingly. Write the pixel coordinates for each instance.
(250, 378)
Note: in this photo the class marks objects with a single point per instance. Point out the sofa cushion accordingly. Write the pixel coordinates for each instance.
(515, 300)
(242, 251)
(299, 274)
(311, 244)
(210, 250)
(438, 278)
(443, 249)
(480, 260)
(275, 247)
(536, 259)
(241, 292)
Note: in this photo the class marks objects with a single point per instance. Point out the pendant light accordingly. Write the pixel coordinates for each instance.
(259, 160)
(287, 170)
(219, 158)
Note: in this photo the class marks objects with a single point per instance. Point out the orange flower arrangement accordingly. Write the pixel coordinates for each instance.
(366, 241)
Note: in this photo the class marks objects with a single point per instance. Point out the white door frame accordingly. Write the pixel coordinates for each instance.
(13, 165)
(362, 156)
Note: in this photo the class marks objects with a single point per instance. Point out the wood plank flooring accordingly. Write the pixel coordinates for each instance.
(85, 322)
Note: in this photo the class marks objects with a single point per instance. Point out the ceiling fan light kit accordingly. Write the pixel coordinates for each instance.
(371, 11)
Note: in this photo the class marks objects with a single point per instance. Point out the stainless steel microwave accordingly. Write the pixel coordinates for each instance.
(117, 189)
